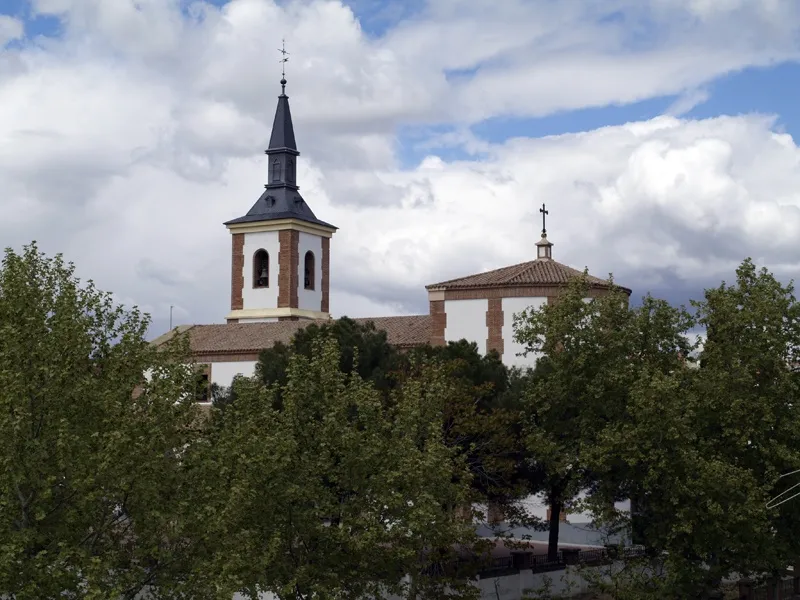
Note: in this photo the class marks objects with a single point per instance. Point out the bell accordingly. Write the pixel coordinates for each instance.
(264, 273)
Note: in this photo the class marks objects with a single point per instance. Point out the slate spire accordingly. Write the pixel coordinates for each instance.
(282, 150)
(282, 129)
(281, 198)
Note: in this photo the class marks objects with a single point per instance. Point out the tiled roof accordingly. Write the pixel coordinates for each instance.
(253, 337)
(534, 272)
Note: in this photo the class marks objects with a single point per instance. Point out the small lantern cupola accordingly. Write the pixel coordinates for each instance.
(544, 247)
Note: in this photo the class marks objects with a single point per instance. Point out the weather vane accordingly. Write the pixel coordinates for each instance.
(544, 216)
(284, 59)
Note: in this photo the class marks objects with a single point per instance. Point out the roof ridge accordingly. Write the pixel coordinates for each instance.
(169, 335)
(538, 272)
(490, 272)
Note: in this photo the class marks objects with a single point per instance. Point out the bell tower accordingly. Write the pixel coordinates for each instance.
(280, 259)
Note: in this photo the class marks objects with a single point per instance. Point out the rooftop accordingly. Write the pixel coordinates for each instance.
(534, 272)
(247, 338)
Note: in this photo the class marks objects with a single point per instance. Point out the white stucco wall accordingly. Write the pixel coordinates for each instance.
(537, 506)
(222, 373)
(260, 297)
(511, 307)
(466, 319)
(309, 299)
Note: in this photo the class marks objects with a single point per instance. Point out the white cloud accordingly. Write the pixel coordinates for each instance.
(10, 29)
(687, 101)
(129, 141)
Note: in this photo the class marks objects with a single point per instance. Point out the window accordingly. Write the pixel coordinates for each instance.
(203, 389)
(261, 269)
(290, 171)
(276, 170)
(309, 279)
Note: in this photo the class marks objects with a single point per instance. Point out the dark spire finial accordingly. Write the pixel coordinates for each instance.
(544, 212)
(284, 59)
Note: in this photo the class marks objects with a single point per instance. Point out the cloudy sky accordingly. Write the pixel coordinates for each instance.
(660, 133)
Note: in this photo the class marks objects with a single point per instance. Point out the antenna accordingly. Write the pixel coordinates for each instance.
(773, 503)
(170, 317)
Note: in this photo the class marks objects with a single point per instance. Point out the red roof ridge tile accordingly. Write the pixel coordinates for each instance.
(534, 272)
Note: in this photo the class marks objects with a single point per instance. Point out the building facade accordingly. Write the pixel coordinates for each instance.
(280, 281)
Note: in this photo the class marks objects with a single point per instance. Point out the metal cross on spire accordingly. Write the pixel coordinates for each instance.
(544, 212)
(284, 59)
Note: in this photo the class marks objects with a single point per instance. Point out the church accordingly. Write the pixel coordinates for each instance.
(280, 282)
(281, 276)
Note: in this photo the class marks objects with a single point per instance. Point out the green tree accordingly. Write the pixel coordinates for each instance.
(482, 420)
(89, 474)
(590, 352)
(473, 421)
(364, 348)
(334, 493)
(577, 386)
(703, 448)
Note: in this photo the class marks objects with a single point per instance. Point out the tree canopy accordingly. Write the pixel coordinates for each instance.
(703, 448)
(621, 407)
(89, 473)
(334, 493)
(478, 419)
(344, 467)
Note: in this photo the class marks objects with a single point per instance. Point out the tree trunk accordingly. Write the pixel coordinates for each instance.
(556, 506)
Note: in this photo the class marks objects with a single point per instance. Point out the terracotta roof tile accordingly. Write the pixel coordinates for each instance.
(534, 272)
(253, 337)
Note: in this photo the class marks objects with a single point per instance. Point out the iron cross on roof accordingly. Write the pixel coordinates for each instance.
(544, 212)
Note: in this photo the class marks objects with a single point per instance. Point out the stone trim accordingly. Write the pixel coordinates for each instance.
(288, 261)
(494, 325)
(438, 322)
(280, 225)
(274, 313)
(237, 271)
(326, 274)
(539, 291)
(208, 358)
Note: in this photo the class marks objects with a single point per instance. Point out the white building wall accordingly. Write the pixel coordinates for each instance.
(537, 506)
(466, 319)
(222, 373)
(309, 299)
(260, 297)
(511, 349)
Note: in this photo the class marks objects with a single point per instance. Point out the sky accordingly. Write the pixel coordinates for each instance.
(661, 134)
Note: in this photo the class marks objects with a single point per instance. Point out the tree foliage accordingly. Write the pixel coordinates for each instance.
(474, 420)
(344, 467)
(700, 448)
(582, 370)
(334, 493)
(89, 471)
(706, 446)
(364, 349)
